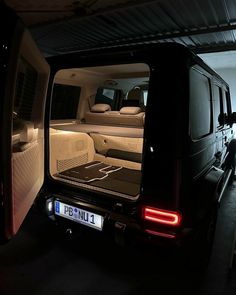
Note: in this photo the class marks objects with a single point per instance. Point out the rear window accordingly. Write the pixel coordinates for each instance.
(200, 105)
(107, 96)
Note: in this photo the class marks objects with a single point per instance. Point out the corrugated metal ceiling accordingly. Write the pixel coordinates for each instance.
(202, 25)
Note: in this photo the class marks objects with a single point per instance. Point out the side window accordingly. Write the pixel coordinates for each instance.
(65, 102)
(219, 117)
(106, 95)
(25, 90)
(26, 84)
(200, 105)
(145, 95)
(226, 103)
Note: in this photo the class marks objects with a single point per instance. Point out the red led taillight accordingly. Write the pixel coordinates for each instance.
(162, 216)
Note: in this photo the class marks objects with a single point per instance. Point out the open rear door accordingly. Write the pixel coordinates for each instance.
(23, 87)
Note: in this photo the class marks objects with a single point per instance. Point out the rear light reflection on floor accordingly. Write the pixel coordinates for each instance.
(156, 233)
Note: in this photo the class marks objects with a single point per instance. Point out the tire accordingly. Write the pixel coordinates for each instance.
(198, 249)
(230, 161)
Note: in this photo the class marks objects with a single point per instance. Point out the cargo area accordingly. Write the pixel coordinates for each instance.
(97, 142)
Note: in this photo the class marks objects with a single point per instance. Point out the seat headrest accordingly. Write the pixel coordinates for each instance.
(135, 94)
(100, 108)
(130, 110)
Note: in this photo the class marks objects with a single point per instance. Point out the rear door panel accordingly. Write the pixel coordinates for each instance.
(22, 114)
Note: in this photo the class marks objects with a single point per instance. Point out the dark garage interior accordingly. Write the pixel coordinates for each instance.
(43, 258)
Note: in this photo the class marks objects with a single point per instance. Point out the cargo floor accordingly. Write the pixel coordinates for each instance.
(113, 178)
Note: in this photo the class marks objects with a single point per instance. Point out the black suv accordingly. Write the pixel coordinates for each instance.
(165, 189)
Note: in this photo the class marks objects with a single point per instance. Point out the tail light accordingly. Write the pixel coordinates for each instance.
(162, 216)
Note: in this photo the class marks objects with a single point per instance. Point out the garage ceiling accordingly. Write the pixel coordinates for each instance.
(67, 26)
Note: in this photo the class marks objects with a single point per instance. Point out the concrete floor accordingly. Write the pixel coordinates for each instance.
(39, 261)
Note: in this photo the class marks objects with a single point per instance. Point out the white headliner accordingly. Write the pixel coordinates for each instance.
(118, 69)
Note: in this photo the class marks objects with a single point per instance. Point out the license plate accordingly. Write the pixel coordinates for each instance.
(79, 215)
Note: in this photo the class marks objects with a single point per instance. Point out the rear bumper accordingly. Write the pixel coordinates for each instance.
(122, 228)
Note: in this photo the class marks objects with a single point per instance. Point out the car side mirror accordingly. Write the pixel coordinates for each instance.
(231, 119)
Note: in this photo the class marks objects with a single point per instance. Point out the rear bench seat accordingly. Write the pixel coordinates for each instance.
(127, 116)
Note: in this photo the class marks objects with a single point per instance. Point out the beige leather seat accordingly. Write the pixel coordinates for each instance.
(135, 94)
(101, 114)
(134, 98)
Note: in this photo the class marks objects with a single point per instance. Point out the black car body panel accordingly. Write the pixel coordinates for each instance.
(178, 173)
